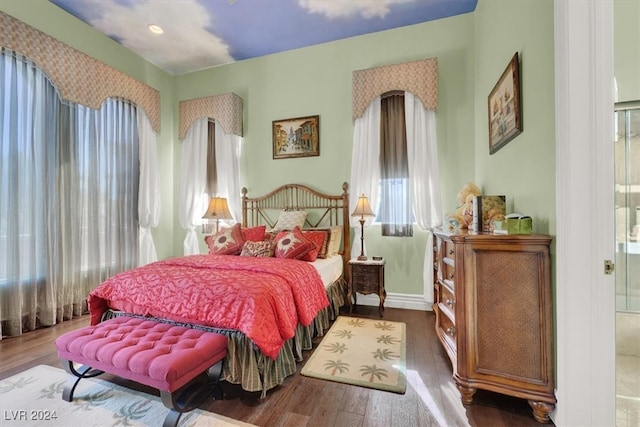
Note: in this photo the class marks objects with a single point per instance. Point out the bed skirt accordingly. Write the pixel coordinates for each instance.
(247, 366)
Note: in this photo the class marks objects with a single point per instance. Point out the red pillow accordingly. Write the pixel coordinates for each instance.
(292, 244)
(227, 241)
(263, 248)
(318, 238)
(255, 234)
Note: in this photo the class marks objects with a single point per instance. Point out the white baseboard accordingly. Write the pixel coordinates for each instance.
(407, 301)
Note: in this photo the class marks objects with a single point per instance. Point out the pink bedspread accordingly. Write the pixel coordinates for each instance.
(265, 298)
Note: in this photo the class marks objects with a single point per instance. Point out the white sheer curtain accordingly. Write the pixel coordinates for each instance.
(68, 197)
(422, 151)
(365, 163)
(98, 199)
(149, 200)
(28, 110)
(193, 197)
(228, 148)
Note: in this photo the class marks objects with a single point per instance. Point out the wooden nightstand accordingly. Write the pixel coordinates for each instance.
(367, 277)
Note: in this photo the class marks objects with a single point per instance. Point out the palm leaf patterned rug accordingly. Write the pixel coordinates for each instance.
(34, 397)
(363, 352)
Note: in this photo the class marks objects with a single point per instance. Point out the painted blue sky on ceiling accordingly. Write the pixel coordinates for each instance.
(206, 33)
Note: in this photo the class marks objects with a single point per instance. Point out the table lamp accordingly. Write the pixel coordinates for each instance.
(218, 209)
(362, 210)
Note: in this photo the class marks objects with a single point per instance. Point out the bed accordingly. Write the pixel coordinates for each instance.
(269, 307)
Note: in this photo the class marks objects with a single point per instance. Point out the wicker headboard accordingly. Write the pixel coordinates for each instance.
(324, 210)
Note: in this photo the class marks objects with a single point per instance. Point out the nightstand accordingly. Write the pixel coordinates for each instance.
(367, 277)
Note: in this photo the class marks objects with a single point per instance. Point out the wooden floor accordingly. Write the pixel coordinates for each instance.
(431, 398)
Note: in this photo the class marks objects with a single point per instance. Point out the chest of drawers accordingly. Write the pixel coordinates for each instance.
(367, 277)
(493, 306)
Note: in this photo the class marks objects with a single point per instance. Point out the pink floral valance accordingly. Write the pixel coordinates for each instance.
(419, 77)
(77, 76)
(226, 109)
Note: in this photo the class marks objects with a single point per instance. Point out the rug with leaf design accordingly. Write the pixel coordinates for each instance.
(363, 352)
(34, 398)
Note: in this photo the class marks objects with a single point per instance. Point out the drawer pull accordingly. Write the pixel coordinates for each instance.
(451, 331)
(449, 302)
(451, 251)
(450, 276)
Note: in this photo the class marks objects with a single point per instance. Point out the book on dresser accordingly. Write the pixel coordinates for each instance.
(493, 314)
(485, 208)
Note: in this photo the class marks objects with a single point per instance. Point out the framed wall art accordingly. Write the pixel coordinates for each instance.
(297, 137)
(505, 113)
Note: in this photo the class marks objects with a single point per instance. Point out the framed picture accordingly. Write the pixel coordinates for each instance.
(298, 137)
(505, 114)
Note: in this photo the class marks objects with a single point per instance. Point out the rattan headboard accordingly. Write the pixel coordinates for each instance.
(323, 209)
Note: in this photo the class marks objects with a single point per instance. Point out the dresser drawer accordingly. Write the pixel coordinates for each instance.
(449, 250)
(365, 273)
(448, 300)
(448, 273)
(447, 331)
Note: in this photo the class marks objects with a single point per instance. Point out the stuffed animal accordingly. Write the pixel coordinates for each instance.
(463, 216)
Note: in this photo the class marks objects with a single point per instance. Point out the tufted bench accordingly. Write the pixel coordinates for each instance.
(184, 364)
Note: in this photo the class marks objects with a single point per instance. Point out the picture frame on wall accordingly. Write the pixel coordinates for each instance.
(504, 107)
(296, 137)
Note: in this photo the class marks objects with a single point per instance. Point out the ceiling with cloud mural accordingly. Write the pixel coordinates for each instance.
(199, 34)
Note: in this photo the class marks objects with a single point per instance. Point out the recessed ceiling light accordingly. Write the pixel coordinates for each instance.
(155, 29)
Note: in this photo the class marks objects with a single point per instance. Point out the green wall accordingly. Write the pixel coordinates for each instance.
(627, 49)
(524, 169)
(48, 18)
(317, 80)
(472, 52)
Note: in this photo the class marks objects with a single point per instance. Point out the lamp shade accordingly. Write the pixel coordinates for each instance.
(363, 208)
(218, 209)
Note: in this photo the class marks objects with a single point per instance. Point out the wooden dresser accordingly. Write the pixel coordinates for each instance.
(493, 309)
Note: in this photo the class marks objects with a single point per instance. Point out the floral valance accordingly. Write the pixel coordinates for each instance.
(419, 77)
(78, 77)
(226, 109)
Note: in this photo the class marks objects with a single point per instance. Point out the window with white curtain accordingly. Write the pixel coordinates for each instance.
(69, 178)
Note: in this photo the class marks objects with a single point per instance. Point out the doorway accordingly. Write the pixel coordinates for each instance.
(627, 218)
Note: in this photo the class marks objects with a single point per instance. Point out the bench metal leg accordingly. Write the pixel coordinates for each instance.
(192, 395)
(80, 373)
(183, 400)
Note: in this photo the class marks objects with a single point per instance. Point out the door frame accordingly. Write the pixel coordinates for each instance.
(585, 233)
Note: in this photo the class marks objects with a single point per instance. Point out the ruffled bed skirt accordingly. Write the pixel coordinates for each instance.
(248, 366)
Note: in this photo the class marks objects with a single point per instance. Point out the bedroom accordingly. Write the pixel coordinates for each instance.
(472, 49)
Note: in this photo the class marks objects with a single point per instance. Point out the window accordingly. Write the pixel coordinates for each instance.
(212, 171)
(394, 207)
(69, 179)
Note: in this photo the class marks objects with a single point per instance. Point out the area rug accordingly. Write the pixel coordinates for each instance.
(363, 352)
(34, 397)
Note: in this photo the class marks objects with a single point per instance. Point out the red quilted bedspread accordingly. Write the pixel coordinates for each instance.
(265, 298)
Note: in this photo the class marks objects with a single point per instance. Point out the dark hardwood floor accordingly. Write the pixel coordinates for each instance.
(431, 398)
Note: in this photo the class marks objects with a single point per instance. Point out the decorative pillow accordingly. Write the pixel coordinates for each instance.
(254, 233)
(335, 241)
(292, 244)
(262, 248)
(288, 220)
(318, 238)
(332, 243)
(227, 241)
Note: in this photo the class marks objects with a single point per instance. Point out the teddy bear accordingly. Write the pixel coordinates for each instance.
(463, 215)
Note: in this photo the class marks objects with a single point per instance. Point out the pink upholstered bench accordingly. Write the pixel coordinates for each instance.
(183, 363)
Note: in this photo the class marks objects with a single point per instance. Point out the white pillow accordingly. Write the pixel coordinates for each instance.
(335, 241)
(288, 220)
